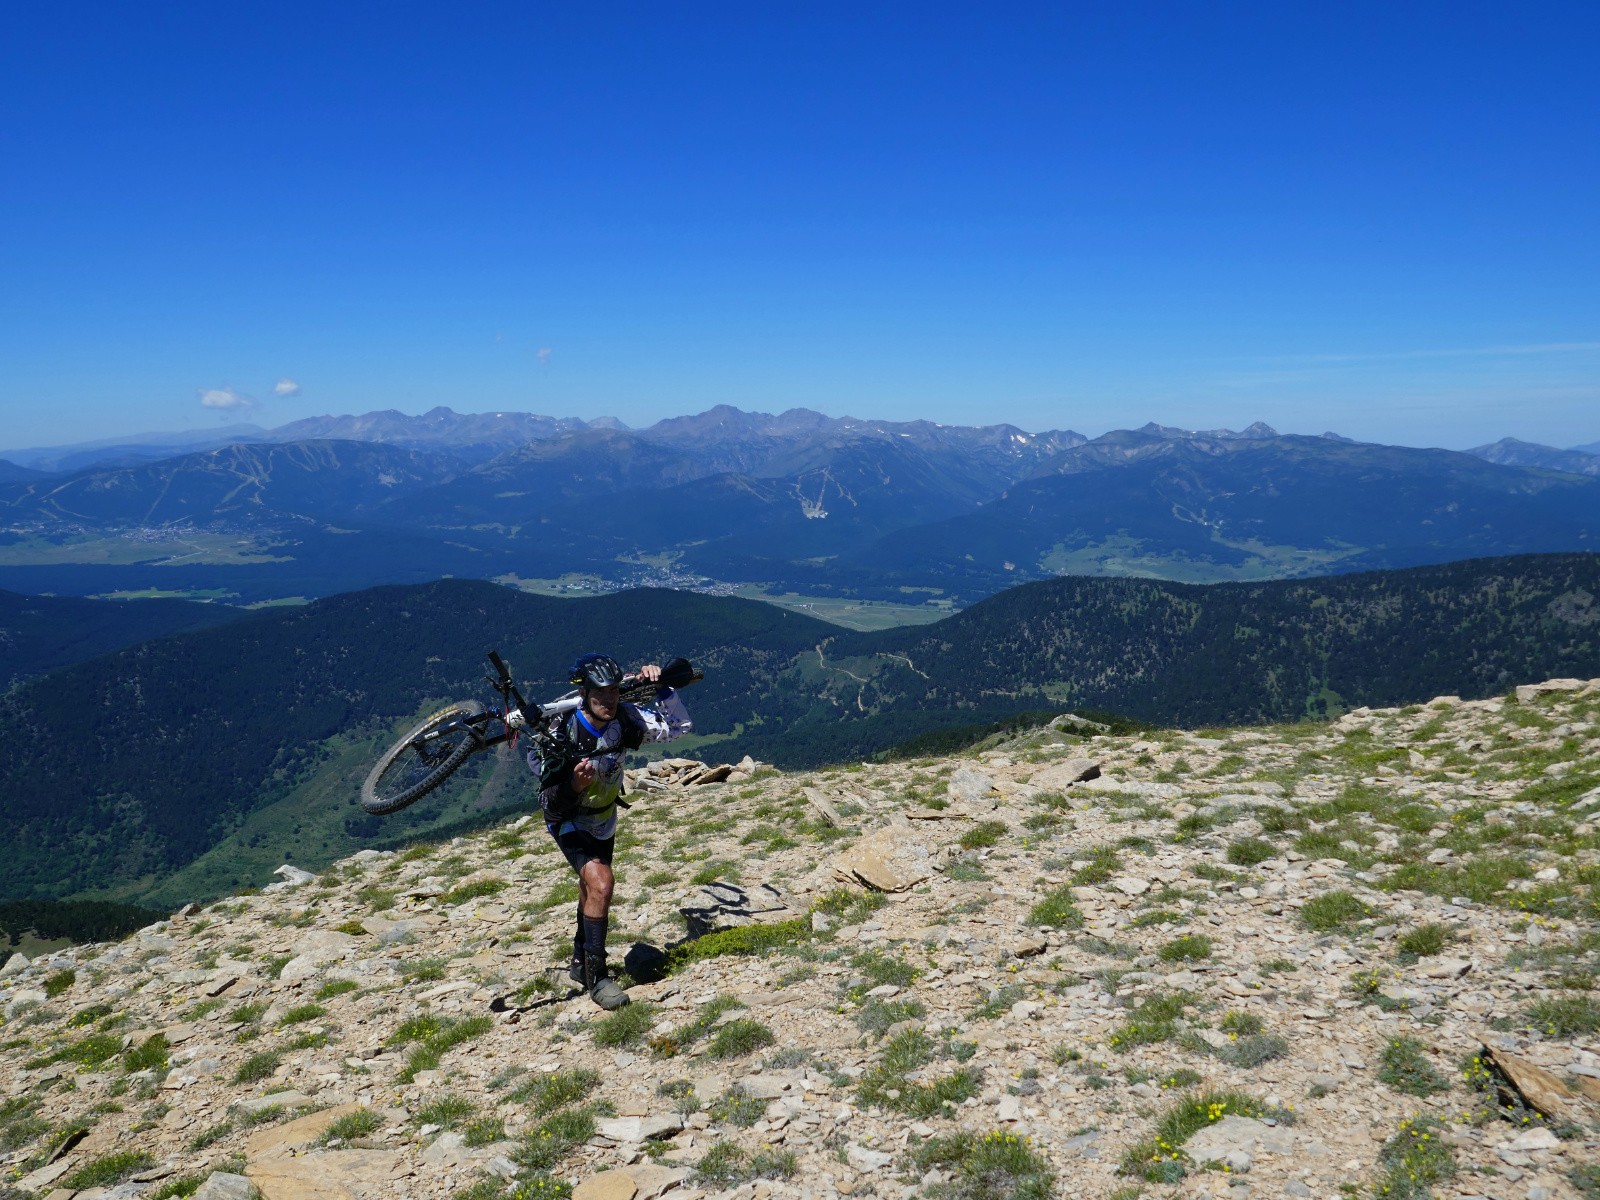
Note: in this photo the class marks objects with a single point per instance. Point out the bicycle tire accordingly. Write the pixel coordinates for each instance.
(394, 783)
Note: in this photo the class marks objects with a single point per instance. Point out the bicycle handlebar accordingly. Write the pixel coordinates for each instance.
(679, 672)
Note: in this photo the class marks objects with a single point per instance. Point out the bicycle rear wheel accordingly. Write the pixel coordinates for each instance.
(422, 759)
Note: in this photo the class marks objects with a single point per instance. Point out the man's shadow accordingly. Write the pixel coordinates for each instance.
(648, 963)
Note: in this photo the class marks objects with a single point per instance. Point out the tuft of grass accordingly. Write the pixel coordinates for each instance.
(737, 1107)
(1241, 1023)
(1251, 1050)
(1406, 1068)
(877, 1016)
(554, 1138)
(210, 1136)
(1424, 941)
(1191, 947)
(1158, 916)
(1565, 1016)
(447, 1111)
(1417, 1156)
(424, 970)
(1585, 1180)
(878, 968)
(1332, 912)
(739, 1037)
(89, 1052)
(378, 899)
(477, 890)
(1057, 910)
(269, 1115)
(353, 1125)
(996, 1166)
(148, 1055)
(109, 1170)
(744, 941)
(433, 1037)
(257, 1067)
(1104, 862)
(246, 1014)
(300, 1013)
(715, 871)
(625, 1027)
(178, 1187)
(1154, 1020)
(55, 985)
(336, 987)
(1249, 851)
(723, 1164)
(544, 1094)
(483, 1131)
(888, 1085)
(982, 835)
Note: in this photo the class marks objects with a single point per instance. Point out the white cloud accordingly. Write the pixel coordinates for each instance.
(286, 387)
(224, 398)
(544, 354)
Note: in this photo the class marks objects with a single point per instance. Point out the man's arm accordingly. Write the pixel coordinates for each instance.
(662, 720)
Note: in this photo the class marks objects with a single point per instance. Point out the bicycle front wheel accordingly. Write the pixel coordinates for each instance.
(423, 759)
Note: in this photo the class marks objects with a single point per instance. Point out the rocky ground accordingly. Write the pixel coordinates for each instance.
(1309, 960)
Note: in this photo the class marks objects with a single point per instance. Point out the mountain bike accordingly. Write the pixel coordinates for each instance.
(433, 751)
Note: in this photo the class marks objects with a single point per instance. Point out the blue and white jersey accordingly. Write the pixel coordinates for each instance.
(595, 810)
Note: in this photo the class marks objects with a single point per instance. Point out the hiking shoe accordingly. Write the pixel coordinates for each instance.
(575, 970)
(603, 990)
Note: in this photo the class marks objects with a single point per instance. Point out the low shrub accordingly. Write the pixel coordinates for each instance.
(1057, 910)
(996, 1166)
(109, 1170)
(353, 1125)
(1406, 1068)
(545, 1094)
(1250, 851)
(1332, 912)
(1192, 947)
(625, 1027)
(739, 1037)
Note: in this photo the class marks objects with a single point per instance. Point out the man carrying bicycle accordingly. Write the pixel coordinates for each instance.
(578, 793)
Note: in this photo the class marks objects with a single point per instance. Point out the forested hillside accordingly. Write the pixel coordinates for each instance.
(124, 768)
(1191, 655)
(129, 768)
(41, 633)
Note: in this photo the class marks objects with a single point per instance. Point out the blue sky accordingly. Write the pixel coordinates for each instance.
(1376, 219)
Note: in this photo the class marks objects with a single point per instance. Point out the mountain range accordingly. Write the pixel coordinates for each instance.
(798, 502)
(179, 766)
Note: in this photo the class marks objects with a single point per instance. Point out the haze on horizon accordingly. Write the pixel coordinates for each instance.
(1377, 222)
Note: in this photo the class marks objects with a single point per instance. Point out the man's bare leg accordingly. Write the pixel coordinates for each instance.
(595, 883)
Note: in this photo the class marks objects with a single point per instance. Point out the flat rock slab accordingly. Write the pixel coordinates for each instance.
(638, 1129)
(1065, 774)
(330, 1175)
(284, 1140)
(287, 1101)
(1233, 1136)
(967, 786)
(654, 1180)
(608, 1185)
(224, 1185)
(887, 860)
(1531, 1083)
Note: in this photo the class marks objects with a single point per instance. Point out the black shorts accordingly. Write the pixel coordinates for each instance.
(580, 848)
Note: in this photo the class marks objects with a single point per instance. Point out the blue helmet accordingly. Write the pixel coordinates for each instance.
(594, 671)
